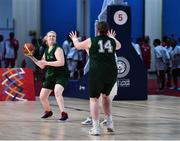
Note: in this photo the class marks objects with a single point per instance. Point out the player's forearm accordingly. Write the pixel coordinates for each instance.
(55, 63)
(36, 62)
(118, 44)
(39, 65)
(76, 43)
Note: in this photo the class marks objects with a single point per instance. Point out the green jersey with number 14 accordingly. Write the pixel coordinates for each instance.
(102, 57)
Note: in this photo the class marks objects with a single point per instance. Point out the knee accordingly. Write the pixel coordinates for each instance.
(57, 93)
(42, 97)
(104, 97)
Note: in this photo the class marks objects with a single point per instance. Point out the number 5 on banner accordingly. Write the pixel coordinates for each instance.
(120, 17)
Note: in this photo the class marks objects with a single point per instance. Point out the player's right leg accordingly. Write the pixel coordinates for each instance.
(44, 94)
(94, 109)
(107, 106)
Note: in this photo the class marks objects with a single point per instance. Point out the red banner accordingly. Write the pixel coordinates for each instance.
(16, 84)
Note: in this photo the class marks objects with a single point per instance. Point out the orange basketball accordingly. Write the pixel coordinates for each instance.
(28, 49)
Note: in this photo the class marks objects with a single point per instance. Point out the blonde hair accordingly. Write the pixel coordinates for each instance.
(45, 37)
(53, 32)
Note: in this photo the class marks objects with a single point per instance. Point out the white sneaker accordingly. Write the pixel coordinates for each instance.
(104, 122)
(88, 121)
(110, 127)
(94, 131)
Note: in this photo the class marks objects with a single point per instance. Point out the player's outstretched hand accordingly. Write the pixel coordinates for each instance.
(73, 35)
(111, 33)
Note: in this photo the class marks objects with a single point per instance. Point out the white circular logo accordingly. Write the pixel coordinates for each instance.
(120, 17)
(123, 66)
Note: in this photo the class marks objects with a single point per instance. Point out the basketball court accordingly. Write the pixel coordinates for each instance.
(155, 119)
(139, 112)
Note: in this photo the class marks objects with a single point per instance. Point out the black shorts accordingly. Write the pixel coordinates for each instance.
(97, 87)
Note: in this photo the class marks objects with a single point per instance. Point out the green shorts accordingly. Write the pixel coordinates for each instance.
(50, 83)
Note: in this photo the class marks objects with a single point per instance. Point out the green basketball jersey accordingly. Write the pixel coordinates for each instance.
(102, 58)
(55, 71)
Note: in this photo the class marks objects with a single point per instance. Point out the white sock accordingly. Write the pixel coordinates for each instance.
(109, 118)
(95, 123)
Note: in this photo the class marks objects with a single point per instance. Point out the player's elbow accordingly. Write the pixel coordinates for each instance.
(42, 67)
(61, 63)
(118, 45)
(78, 47)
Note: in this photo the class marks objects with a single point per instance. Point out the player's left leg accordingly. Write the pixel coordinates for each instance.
(44, 94)
(58, 90)
(112, 94)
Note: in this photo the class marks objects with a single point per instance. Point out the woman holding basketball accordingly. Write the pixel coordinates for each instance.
(56, 75)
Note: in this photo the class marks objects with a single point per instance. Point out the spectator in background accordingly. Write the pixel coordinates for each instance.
(146, 52)
(36, 42)
(164, 41)
(161, 57)
(1, 50)
(169, 63)
(67, 45)
(83, 57)
(72, 61)
(39, 51)
(11, 49)
(137, 47)
(175, 55)
(75, 61)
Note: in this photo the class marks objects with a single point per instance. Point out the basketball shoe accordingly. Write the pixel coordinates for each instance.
(47, 114)
(64, 116)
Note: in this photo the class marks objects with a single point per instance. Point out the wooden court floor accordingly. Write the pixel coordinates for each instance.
(158, 118)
